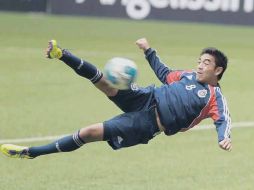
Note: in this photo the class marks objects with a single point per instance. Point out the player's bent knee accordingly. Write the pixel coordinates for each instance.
(92, 133)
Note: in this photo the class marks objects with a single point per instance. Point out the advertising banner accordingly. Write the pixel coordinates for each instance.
(23, 5)
(215, 11)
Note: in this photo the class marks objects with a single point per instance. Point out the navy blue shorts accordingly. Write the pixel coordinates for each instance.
(138, 125)
(134, 99)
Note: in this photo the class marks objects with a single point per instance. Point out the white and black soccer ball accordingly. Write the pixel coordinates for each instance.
(120, 72)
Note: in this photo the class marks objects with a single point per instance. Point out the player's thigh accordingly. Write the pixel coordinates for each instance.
(130, 129)
(134, 99)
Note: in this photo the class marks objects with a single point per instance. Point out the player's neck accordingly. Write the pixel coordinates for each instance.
(213, 82)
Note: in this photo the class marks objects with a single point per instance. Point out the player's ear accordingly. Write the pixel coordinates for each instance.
(218, 70)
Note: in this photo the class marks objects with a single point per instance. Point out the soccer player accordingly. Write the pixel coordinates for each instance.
(183, 101)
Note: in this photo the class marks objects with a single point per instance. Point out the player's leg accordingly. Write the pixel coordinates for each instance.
(130, 129)
(81, 67)
(134, 99)
(124, 130)
(66, 144)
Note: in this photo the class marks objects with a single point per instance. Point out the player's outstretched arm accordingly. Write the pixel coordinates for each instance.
(159, 68)
(226, 144)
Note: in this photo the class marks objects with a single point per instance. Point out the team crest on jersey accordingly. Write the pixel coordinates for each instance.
(202, 93)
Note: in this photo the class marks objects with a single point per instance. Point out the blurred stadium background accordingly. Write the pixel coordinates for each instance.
(42, 98)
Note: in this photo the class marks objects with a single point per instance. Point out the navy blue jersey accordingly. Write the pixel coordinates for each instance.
(183, 102)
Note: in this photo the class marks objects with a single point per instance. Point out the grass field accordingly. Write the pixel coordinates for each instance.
(41, 97)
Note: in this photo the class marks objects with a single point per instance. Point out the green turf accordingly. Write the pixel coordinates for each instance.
(41, 97)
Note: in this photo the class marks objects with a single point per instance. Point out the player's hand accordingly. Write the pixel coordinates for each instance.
(226, 144)
(143, 44)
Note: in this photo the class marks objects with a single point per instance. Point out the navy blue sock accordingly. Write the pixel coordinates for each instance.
(65, 144)
(81, 67)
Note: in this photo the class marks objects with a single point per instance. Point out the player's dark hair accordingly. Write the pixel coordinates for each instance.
(221, 59)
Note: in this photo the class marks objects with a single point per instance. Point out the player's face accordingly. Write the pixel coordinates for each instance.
(207, 71)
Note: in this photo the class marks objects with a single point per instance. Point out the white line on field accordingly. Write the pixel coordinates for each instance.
(234, 125)
(48, 138)
(30, 139)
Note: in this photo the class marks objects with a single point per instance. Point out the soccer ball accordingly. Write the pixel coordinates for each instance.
(120, 73)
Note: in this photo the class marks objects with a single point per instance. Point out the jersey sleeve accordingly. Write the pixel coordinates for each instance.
(220, 114)
(159, 68)
(174, 76)
(163, 72)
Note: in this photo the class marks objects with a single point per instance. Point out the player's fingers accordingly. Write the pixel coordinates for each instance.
(138, 44)
(221, 143)
(141, 41)
(228, 146)
(225, 141)
(223, 146)
(138, 41)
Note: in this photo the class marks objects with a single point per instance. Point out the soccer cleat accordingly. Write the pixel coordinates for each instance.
(15, 151)
(53, 50)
